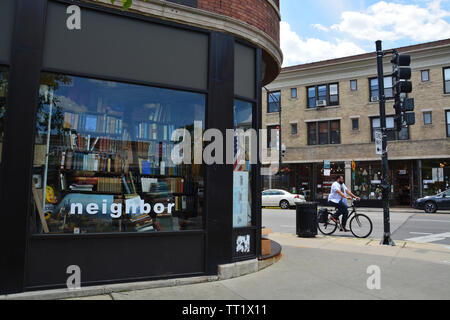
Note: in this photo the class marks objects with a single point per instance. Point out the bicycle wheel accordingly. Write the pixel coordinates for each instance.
(327, 228)
(361, 226)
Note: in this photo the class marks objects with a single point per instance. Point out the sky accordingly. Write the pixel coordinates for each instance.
(315, 30)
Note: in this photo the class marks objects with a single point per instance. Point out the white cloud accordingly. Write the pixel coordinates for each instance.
(320, 27)
(297, 50)
(391, 21)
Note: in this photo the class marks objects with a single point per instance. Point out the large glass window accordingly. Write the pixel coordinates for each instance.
(3, 93)
(392, 134)
(242, 192)
(435, 176)
(447, 80)
(103, 160)
(324, 132)
(388, 90)
(273, 101)
(323, 95)
(367, 180)
(311, 97)
(447, 117)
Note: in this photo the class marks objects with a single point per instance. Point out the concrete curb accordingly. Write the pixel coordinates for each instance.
(225, 272)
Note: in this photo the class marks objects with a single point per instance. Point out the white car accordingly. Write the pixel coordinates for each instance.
(281, 198)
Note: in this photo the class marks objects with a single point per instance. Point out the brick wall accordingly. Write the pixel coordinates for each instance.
(258, 13)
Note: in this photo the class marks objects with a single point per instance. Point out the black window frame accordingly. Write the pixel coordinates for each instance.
(371, 89)
(446, 81)
(296, 93)
(447, 122)
(393, 135)
(294, 129)
(354, 81)
(269, 103)
(424, 118)
(316, 133)
(427, 71)
(327, 98)
(353, 124)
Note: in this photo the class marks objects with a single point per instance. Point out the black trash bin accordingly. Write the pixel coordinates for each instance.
(307, 220)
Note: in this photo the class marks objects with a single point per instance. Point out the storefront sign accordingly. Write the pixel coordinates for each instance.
(243, 244)
(327, 172)
(240, 199)
(327, 164)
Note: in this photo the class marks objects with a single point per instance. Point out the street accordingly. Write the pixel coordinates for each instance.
(406, 224)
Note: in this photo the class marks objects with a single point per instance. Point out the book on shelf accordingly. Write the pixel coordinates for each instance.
(94, 123)
(81, 187)
(113, 185)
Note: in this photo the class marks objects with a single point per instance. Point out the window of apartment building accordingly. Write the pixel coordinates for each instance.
(273, 101)
(355, 124)
(427, 118)
(448, 122)
(294, 93)
(353, 85)
(272, 136)
(388, 90)
(447, 80)
(324, 132)
(425, 75)
(392, 134)
(294, 128)
(323, 95)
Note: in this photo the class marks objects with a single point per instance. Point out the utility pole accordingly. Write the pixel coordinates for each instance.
(387, 240)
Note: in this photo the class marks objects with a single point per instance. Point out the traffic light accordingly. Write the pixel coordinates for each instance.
(404, 106)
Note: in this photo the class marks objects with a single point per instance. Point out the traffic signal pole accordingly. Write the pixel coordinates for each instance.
(387, 240)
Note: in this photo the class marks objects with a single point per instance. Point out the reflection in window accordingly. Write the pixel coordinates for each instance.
(447, 80)
(273, 101)
(392, 134)
(3, 92)
(324, 132)
(242, 193)
(388, 90)
(109, 166)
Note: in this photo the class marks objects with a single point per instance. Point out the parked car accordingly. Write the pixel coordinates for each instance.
(432, 204)
(280, 198)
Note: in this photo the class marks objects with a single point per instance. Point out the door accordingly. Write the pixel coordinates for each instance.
(265, 198)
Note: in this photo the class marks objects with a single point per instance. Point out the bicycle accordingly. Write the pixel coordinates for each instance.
(360, 225)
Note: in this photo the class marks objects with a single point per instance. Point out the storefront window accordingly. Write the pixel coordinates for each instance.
(103, 158)
(367, 181)
(3, 91)
(242, 175)
(436, 176)
(325, 181)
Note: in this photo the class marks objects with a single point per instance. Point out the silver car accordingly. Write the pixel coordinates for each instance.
(281, 198)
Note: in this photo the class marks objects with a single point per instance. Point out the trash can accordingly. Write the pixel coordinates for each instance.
(307, 220)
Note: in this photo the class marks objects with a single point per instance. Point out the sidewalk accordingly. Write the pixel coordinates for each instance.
(326, 268)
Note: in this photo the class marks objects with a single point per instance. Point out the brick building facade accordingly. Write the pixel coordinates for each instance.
(330, 110)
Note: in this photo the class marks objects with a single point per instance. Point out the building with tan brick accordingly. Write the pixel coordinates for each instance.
(330, 110)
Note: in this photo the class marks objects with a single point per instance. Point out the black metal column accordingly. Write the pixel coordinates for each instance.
(23, 94)
(219, 178)
(384, 159)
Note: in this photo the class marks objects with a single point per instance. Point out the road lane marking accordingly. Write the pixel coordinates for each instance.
(430, 238)
(430, 220)
(421, 233)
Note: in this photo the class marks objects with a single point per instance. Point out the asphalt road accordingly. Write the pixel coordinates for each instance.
(410, 225)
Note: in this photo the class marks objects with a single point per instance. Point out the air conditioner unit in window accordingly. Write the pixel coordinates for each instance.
(321, 103)
(374, 99)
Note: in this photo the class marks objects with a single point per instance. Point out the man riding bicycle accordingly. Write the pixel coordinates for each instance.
(338, 199)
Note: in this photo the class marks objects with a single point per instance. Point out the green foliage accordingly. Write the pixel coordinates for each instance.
(126, 4)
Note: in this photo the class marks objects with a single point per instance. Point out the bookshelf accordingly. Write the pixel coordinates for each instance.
(124, 157)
